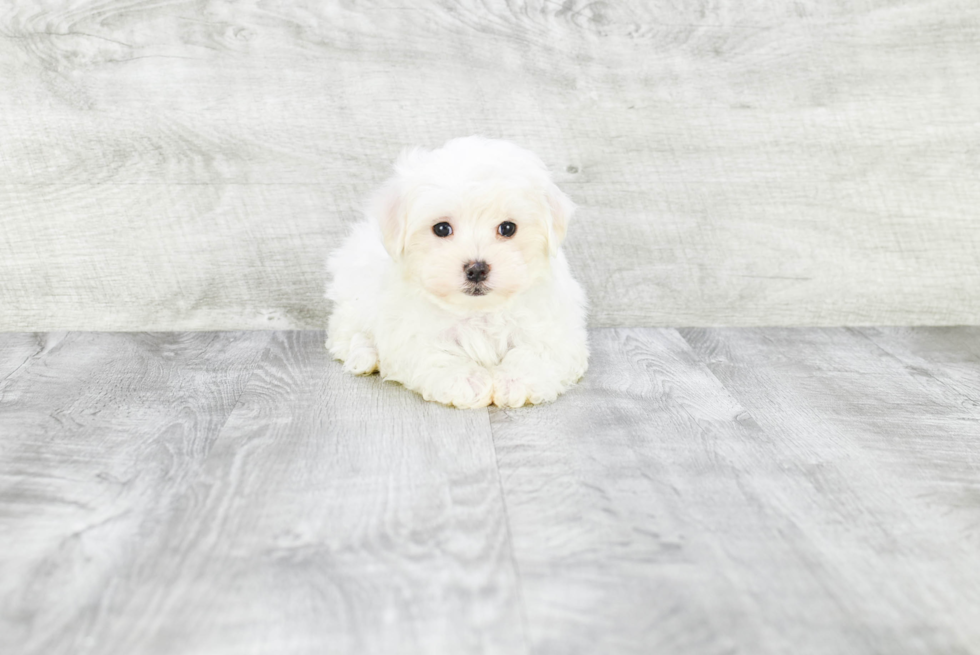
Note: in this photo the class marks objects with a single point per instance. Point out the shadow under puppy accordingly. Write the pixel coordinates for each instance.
(454, 284)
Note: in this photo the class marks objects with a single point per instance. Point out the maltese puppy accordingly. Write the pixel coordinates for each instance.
(454, 285)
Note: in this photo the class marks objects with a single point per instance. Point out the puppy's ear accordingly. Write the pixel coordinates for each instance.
(561, 209)
(390, 204)
(387, 206)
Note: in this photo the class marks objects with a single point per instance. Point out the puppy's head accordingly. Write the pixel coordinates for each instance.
(472, 223)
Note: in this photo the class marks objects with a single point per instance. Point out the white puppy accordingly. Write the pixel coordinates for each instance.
(455, 286)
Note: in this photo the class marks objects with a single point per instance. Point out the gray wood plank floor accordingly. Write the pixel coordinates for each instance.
(762, 490)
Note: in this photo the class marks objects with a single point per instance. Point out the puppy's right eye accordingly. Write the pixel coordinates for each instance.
(442, 230)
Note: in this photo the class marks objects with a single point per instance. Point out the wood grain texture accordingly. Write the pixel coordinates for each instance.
(99, 439)
(813, 497)
(949, 356)
(18, 351)
(705, 491)
(887, 460)
(174, 165)
(329, 513)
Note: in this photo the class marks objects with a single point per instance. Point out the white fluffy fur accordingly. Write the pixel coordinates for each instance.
(398, 289)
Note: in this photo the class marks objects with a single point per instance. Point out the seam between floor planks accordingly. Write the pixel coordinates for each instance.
(525, 629)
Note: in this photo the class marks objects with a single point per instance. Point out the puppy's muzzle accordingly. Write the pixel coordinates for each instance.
(476, 272)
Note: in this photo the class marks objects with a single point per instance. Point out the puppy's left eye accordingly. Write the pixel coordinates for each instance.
(506, 229)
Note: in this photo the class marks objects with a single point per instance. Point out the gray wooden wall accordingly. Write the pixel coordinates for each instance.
(187, 165)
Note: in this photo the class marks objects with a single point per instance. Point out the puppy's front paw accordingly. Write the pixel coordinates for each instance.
(468, 388)
(361, 357)
(511, 389)
(362, 362)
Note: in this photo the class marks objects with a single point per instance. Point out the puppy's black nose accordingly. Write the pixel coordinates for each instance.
(476, 271)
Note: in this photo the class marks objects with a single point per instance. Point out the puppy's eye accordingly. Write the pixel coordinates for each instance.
(442, 230)
(506, 229)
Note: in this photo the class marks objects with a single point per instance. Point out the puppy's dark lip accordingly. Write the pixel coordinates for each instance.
(478, 290)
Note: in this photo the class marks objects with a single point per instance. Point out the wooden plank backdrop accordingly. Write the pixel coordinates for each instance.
(187, 165)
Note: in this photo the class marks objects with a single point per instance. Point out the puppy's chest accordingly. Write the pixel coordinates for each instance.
(485, 339)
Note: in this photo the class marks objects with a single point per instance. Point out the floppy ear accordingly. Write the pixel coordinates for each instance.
(387, 206)
(561, 209)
